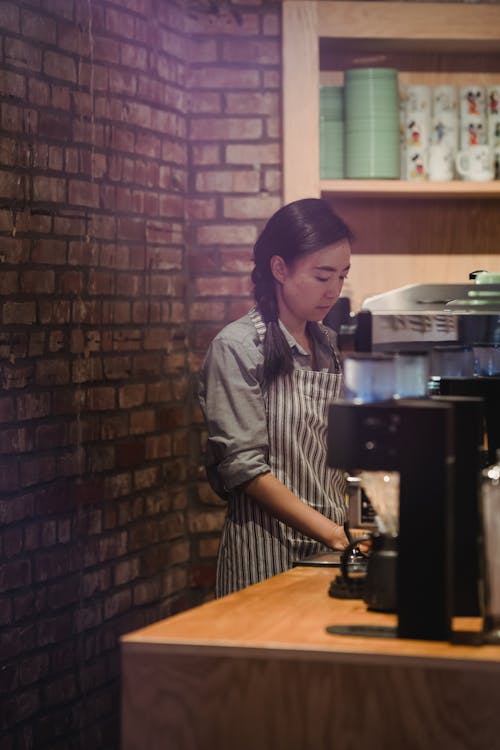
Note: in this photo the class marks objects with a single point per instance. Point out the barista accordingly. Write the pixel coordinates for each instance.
(265, 387)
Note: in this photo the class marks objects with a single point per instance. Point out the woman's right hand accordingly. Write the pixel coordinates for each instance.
(338, 540)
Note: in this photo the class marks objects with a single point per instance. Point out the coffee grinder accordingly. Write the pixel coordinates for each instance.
(417, 438)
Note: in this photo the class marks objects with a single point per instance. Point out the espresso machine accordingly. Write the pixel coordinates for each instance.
(437, 444)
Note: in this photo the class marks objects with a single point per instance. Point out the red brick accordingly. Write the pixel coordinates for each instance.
(88, 132)
(225, 22)
(52, 371)
(201, 50)
(71, 161)
(18, 376)
(171, 70)
(253, 103)
(222, 285)
(101, 398)
(71, 282)
(253, 51)
(118, 485)
(86, 370)
(16, 440)
(61, 98)
(116, 368)
(57, 341)
(52, 252)
(88, 490)
(10, 17)
(38, 27)
(22, 54)
(49, 189)
(83, 253)
(73, 39)
(11, 185)
(201, 209)
(236, 261)
(253, 154)
(249, 207)
(13, 84)
(9, 282)
(38, 282)
(208, 547)
(228, 181)
(115, 312)
(39, 92)
(133, 56)
(57, 312)
(56, 65)
(226, 128)
(207, 311)
(227, 234)
(129, 285)
(203, 575)
(158, 447)
(19, 313)
(37, 470)
(142, 421)
(206, 102)
(100, 282)
(82, 193)
(132, 395)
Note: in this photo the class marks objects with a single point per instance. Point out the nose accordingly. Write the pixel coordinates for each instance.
(334, 289)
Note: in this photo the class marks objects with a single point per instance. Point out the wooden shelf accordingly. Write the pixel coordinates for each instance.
(405, 232)
(427, 42)
(407, 189)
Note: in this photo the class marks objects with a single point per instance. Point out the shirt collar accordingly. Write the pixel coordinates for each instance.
(291, 341)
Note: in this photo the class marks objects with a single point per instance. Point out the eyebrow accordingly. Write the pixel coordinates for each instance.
(331, 269)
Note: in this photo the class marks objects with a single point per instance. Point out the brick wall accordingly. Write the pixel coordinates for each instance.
(234, 185)
(139, 156)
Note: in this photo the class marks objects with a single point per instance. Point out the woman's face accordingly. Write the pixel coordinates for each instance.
(308, 288)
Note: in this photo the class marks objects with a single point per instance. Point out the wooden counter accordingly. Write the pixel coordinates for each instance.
(258, 670)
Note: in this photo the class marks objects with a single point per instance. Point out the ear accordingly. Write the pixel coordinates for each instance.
(278, 268)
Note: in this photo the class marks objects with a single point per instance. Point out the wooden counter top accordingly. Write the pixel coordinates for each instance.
(291, 612)
(257, 670)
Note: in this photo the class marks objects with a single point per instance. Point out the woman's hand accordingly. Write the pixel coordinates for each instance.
(338, 540)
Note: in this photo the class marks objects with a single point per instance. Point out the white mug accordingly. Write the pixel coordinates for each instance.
(445, 129)
(417, 130)
(441, 162)
(417, 164)
(472, 100)
(475, 163)
(473, 131)
(444, 99)
(418, 99)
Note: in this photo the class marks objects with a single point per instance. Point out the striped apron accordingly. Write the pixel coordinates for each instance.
(254, 545)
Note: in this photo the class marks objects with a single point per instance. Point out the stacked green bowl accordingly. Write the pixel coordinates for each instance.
(371, 123)
(331, 132)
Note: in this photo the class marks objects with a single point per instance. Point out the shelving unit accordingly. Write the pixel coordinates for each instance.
(406, 189)
(407, 232)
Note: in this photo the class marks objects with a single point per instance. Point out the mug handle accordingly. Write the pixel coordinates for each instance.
(459, 163)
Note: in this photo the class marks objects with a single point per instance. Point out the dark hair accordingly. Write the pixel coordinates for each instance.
(295, 230)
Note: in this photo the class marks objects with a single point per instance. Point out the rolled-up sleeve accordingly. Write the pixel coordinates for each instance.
(232, 401)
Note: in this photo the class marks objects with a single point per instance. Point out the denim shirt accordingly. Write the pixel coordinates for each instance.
(232, 401)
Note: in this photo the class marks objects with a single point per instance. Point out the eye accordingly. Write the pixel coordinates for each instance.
(322, 278)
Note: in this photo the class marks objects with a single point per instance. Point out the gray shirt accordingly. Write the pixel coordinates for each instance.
(232, 400)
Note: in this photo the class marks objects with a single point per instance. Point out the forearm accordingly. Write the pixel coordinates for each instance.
(284, 505)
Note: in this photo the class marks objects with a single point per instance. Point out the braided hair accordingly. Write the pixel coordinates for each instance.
(295, 230)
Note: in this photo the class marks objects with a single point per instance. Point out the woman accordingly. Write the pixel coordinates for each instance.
(265, 386)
